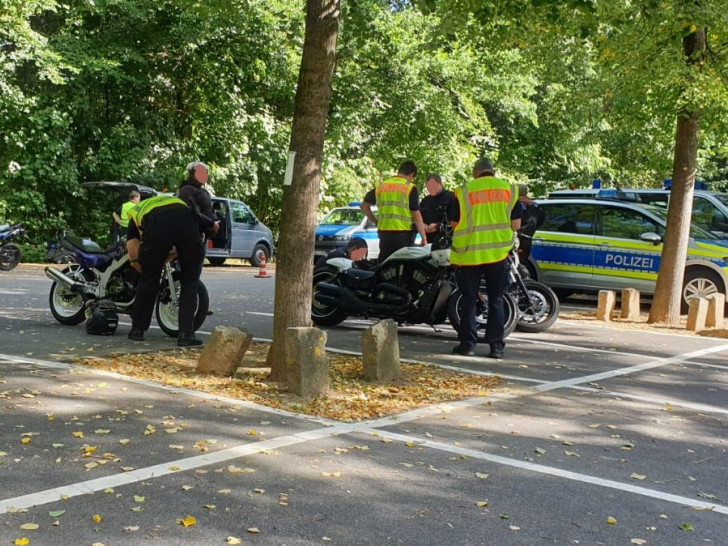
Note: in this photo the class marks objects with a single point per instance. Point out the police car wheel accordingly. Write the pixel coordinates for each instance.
(699, 283)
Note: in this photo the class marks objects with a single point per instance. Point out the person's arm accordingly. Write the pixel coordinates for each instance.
(366, 208)
(117, 218)
(133, 242)
(515, 224)
(419, 226)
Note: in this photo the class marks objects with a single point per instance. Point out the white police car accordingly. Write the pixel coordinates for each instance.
(340, 225)
(591, 244)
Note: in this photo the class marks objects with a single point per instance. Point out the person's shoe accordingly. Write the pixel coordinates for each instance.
(188, 340)
(136, 335)
(463, 350)
(496, 350)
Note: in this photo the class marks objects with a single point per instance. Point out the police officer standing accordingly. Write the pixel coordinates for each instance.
(484, 217)
(121, 215)
(157, 226)
(398, 207)
(192, 192)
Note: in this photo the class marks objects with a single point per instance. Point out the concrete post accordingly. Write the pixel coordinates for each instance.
(307, 365)
(224, 352)
(380, 351)
(716, 311)
(630, 304)
(697, 313)
(605, 307)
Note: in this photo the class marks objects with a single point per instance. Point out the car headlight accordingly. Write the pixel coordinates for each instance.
(342, 237)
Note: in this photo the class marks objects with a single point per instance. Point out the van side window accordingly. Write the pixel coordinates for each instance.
(241, 213)
(626, 224)
(568, 218)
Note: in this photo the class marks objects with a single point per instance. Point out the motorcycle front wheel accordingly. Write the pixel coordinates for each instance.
(67, 307)
(538, 309)
(454, 312)
(167, 309)
(325, 314)
(10, 256)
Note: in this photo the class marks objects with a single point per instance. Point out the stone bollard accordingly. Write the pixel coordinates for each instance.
(224, 352)
(380, 351)
(716, 311)
(307, 365)
(630, 304)
(697, 313)
(605, 307)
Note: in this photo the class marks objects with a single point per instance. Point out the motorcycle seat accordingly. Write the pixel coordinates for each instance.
(87, 245)
(4, 227)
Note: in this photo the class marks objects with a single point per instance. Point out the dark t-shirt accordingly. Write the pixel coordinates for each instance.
(436, 208)
(414, 198)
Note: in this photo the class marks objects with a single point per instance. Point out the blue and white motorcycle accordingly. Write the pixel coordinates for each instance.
(105, 278)
(10, 253)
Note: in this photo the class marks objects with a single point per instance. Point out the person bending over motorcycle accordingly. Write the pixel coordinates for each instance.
(156, 227)
(355, 250)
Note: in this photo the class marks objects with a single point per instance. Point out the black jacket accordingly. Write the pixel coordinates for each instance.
(192, 193)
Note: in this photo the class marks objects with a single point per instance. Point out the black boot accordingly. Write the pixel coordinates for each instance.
(136, 334)
(188, 340)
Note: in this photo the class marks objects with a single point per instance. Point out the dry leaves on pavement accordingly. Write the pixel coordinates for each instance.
(351, 398)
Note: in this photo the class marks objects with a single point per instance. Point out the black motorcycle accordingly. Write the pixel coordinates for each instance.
(538, 306)
(412, 286)
(105, 278)
(10, 253)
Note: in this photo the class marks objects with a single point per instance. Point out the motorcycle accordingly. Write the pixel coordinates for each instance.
(414, 285)
(538, 306)
(10, 253)
(106, 278)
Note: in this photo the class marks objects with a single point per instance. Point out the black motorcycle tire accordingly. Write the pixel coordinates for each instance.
(454, 306)
(167, 312)
(538, 310)
(66, 307)
(10, 256)
(321, 314)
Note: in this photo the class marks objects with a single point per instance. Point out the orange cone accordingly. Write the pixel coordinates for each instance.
(262, 273)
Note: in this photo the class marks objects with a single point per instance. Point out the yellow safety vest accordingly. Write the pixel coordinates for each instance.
(483, 235)
(140, 210)
(124, 216)
(393, 213)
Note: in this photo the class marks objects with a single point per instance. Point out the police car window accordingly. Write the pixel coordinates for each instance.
(703, 212)
(240, 213)
(657, 199)
(623, 223)
(349, 217)
(569, 218)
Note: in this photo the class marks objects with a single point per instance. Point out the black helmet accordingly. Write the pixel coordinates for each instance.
(102, 319)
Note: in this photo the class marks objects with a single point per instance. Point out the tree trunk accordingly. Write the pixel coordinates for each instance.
(294, 266)
(668, 291)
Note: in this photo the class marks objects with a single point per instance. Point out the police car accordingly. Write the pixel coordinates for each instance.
(590, 244)
(340, 225)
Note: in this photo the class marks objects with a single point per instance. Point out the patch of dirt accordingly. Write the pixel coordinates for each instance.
(351, 397)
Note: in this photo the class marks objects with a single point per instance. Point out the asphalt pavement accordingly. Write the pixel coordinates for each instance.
(597, 436)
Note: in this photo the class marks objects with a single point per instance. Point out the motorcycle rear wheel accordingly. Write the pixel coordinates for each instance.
(322, 314)
(537, 310)
(167, 311)
(10, 256)
(454, 310)
(67, 307)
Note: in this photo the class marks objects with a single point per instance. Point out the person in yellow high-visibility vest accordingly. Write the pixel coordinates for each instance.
(398, 207)
(483, 217)
(157, 226)
(121, 217)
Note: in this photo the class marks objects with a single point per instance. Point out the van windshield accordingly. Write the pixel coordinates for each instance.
(348, 217)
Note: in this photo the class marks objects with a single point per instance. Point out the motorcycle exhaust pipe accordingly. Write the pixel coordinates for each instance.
(76, 287)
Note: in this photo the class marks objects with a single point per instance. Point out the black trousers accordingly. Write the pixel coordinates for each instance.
(391, 241)
(162, 230)
(468, 279)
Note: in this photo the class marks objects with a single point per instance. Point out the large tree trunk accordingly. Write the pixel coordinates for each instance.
(294, 264)
(668, 292)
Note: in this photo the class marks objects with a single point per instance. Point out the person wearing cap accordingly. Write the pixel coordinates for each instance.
(398, 207)
(356, 249)
(484, 216)
(157, 226)
(192, 192)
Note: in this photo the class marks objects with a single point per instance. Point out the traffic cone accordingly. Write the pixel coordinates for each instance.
(262, 273)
